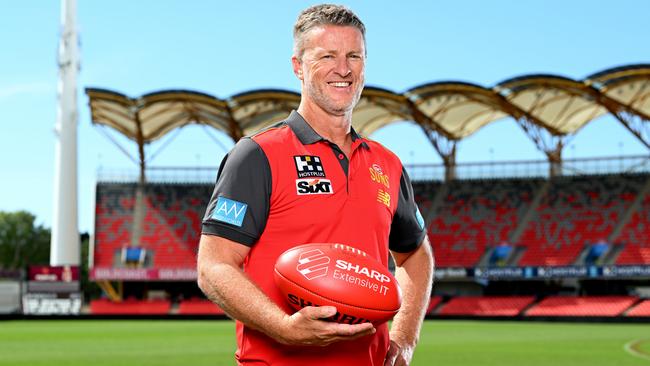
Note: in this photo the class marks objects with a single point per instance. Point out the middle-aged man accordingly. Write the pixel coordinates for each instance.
(312, 178)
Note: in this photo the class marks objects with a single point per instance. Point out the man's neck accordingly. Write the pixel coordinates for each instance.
(333, 128)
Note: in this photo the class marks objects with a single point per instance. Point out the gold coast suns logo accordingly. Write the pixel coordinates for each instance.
(377, 175)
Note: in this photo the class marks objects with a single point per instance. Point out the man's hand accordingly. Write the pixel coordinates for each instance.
(399, 353)
(309, 327)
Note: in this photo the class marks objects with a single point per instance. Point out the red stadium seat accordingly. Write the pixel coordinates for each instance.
(486, 305)
(582, 306)
(199, 307)
(130, 307)
(641, 309)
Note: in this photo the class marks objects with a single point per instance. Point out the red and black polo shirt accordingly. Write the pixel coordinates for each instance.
(287, 186)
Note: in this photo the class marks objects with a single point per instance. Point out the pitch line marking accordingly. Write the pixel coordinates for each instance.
(631, 347)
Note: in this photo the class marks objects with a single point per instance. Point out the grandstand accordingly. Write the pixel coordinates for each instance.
(546, 224)
(517, 239)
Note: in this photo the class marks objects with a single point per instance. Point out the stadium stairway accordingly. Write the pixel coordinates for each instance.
(475, 215)
(635, 236)
(577, 211)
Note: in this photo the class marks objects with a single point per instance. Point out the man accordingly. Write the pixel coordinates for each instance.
(311, 178)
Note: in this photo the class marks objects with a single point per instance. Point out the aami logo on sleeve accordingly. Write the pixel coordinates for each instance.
(229, 211)
(419, 218)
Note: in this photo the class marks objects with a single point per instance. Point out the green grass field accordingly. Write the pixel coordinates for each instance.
(196, 343)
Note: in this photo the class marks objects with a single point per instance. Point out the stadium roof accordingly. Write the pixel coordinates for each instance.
(446, 111)
(457, 108)
(629, 85)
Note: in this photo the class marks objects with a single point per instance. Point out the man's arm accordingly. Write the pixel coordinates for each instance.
(222, 280)
(414, 273)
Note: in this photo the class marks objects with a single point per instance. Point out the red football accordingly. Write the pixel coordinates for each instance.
(359, 286)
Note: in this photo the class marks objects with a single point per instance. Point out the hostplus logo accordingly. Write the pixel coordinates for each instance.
(313, 264)
(309, 166)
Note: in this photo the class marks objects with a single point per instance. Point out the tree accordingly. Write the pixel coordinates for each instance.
(22, 243)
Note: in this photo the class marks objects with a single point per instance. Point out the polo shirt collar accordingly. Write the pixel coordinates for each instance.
(307, 135)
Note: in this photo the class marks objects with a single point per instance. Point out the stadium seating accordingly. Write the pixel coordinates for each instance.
(576, 211)
(197, 306)
(172, 223)
(486, 305)
(582, 306)
(641, 309)
(477, 214)
(113, 219)
(130, 307)
(636, 237)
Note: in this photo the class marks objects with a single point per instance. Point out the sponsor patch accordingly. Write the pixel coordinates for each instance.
(229, 211)
(308, 166)
(418, 216)
(377, 175)
(313, 186)
(383, 197)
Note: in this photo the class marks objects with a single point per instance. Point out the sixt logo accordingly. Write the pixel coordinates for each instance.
(229, 211)
(309, 166)
(377, 175)
(313, 186)
(313, 264)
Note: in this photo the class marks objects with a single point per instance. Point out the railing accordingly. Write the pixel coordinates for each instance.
(417, 172)
(533, 168)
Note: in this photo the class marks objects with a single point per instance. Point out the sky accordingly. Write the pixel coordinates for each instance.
(226, 47)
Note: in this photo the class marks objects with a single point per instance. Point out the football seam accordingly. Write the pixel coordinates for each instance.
(332, 300)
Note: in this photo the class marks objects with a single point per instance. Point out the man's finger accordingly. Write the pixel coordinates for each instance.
(358, 330)
(318, 312)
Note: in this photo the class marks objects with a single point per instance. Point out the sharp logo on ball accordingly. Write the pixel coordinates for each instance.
(309, 166)
(375, 280)
(313, 186)
(313, 264)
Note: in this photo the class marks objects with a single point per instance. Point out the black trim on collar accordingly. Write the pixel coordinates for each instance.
(302, 129)
(306, 133)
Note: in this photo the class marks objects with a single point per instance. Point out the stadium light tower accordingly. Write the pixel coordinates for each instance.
(64, 245)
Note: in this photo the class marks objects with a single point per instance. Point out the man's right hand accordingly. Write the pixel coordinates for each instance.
(309, 327)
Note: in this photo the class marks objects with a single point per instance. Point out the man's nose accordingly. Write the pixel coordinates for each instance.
(343, 67)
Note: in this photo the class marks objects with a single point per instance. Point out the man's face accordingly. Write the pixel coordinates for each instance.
(332, 68)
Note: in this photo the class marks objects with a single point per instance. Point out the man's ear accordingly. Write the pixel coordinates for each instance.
(297, 66)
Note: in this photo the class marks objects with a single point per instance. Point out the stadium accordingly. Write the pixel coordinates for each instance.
(537, 261)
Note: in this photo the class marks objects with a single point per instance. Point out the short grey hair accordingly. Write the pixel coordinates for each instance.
(323, 14)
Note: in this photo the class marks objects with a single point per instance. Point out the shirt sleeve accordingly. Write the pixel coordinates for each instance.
(407, 229)
(239, 206)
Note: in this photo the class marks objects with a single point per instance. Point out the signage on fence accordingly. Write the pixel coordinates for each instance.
(142, 274)
(544, 272)
(52, 304)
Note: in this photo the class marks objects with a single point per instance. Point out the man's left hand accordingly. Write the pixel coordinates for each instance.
(398, 354)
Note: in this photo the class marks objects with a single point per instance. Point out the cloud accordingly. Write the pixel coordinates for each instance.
(26, 88)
